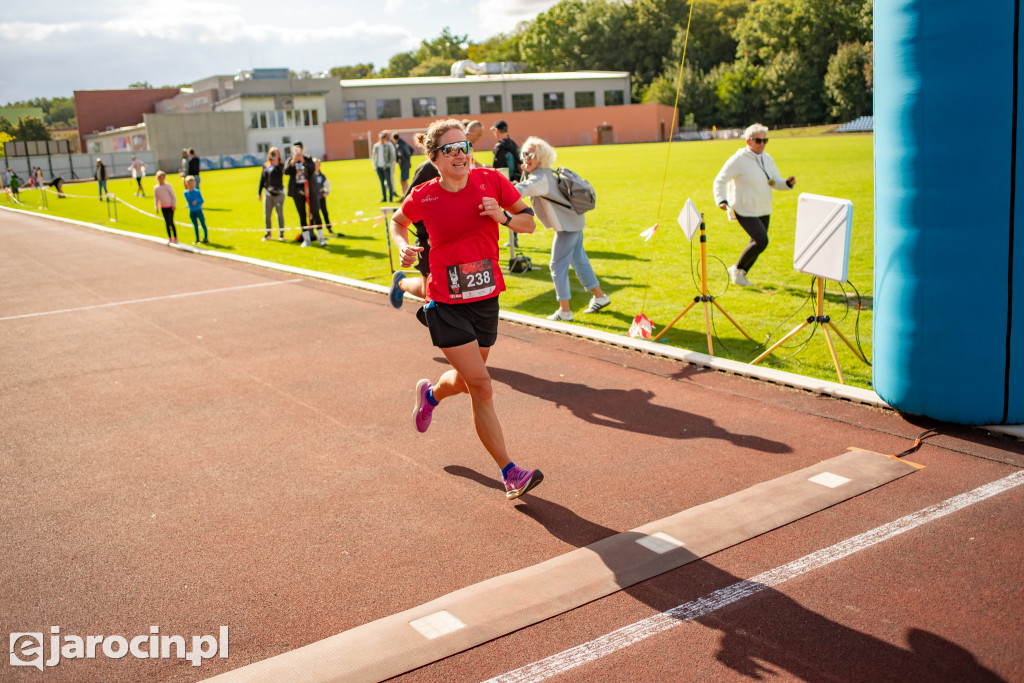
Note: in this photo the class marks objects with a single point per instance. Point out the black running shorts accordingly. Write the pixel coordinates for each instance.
(457, 324)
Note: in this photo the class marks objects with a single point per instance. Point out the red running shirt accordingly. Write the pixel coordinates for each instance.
(459, 235)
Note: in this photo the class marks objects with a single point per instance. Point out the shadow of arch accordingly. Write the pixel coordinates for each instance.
(631, 410)
(765, 633)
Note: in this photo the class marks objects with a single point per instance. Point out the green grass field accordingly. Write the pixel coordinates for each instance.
(637, 186)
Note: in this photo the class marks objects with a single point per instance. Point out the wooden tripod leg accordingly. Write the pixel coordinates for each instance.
(832, 350)
(841, 336)
(707, 327)
(735, 324)
(780, 342)
(674, 321)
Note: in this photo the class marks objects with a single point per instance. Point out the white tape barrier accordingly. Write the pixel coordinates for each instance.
(183, 224)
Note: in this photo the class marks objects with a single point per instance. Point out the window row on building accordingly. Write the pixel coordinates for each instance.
(284, 118)
(355, 110)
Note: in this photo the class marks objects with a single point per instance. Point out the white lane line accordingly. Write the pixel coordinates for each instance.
(645, 628)
(154, 298)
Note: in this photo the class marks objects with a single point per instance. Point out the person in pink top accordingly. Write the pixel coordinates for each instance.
(166, 202)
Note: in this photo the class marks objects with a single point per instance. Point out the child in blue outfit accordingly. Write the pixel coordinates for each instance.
(194, 199)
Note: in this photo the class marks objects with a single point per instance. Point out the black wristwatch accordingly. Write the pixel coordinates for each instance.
(508, 218)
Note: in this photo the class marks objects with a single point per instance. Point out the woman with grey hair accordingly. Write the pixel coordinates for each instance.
(555, 212)
(744, 188)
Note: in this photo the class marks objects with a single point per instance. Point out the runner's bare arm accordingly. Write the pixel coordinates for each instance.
(516, 218)
(399, 229)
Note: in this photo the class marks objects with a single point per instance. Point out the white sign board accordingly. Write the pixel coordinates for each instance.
(689, 219)
(823, 229)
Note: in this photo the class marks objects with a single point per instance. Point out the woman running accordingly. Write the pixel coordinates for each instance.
(463, 210)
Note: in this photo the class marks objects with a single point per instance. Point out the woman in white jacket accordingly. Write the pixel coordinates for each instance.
(744, 188)
(554, 211)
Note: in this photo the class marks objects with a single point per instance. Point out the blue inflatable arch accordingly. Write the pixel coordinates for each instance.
(949, 188)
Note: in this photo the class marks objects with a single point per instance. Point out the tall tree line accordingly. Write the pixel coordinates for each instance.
(785, 62)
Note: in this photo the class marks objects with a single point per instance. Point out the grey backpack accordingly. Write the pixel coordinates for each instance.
(579, 194)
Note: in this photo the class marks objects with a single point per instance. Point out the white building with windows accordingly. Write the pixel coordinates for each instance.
(469, 96)
(340, 119)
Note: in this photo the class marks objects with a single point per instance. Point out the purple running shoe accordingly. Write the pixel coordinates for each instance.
(520, 481)
(423, 410)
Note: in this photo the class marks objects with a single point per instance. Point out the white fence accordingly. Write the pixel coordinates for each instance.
(76, 166)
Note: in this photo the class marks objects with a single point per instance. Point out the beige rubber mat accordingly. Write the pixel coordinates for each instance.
(498, 606)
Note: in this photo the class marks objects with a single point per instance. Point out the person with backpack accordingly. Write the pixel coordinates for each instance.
(556, 211)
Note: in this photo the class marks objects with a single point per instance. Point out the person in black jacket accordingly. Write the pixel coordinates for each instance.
(303, 190)
(506, 152)
(101, 178)
(272, 180)
(508, 156)
(193, 166)
(403, 151)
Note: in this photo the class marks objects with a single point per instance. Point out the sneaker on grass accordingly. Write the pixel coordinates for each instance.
(564, 316)
(519, 481)
(738, 276)
(596, 304)
(424, 410)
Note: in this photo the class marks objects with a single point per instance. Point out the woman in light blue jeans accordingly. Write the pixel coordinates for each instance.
(554, 211)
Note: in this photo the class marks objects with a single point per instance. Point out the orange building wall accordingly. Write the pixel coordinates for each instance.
(98, 109)
(560, 127)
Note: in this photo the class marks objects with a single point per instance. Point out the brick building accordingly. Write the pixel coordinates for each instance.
(101, 110)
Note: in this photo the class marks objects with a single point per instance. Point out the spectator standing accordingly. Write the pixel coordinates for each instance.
(382, 156)
(324, 185)
(553, 211)
(12, 182)
(743, 188)
(403, 154)
(303, 191)
(474, 131)
(166, 201)
(507, 157)
(183, 170)
(194, 199)
(506, 152)
(272, 180)
(101, 177)
(193, 166)
(138, 171)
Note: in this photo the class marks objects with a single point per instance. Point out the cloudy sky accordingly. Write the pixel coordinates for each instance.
(55, 47)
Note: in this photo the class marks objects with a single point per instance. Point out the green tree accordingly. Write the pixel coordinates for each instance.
(140, 84)
(354, 72)
(710, 40)
(575, 35)
(500, 48)
(698, 101)
(446, 46)
(30, 128)
(60, 113)
(741, 92)
(400, 65)
(432, 66)
(813, 29)
(793, 91)
(649, 31)
(848, 81)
